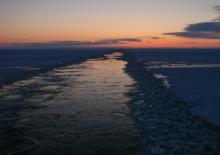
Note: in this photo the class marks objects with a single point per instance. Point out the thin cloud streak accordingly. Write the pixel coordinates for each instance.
(152, 37)
(115, 41)
(73, 43)
(76, 44)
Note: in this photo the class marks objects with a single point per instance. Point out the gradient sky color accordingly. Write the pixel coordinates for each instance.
(39, 21)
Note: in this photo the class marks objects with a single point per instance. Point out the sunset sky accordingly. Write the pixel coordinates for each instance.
(109, 23)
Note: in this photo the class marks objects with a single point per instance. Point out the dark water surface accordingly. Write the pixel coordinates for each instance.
(78, 109)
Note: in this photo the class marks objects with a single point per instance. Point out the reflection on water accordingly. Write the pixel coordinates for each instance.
(78, 109)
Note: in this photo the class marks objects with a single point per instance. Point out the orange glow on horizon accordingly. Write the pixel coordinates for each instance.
(163, 41)
(41, 21)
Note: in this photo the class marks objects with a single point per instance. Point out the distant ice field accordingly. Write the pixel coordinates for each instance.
(194, 74)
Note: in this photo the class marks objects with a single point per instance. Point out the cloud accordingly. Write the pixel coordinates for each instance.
(217, 8)
(155, 38)
(202, 30)
(48, 44)
(205, 30)
(72, 44)
(152, 37)
(116, 41)
(204, 27)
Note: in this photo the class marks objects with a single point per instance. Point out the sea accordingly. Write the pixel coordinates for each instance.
(96, 101)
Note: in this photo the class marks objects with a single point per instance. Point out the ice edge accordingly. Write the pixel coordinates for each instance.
(165, 123)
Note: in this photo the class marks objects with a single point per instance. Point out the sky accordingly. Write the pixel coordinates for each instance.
(109, 23)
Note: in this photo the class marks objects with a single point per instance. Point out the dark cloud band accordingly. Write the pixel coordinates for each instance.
(72, 44)
(206, 30)
(76, 44)
(203, 30)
